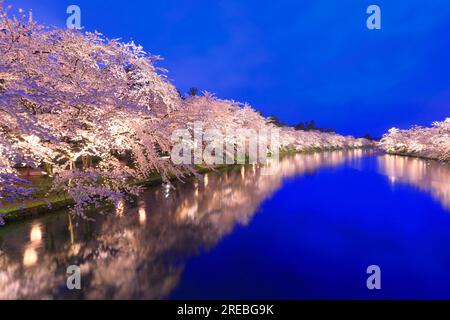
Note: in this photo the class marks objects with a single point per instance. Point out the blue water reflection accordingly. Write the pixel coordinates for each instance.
(309, 231)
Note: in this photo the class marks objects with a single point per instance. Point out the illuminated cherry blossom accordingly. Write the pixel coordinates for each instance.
(431, 142)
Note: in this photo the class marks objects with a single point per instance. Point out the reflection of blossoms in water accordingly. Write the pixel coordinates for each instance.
(430, 176)
(142, 254)
(36, 233)
(17, 283)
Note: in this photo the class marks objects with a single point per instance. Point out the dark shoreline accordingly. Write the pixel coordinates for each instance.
(418, 156)
(42, 209)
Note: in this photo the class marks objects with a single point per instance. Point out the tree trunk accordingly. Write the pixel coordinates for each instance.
(48, 168)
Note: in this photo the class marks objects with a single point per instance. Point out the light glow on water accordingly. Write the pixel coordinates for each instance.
(30, 257)
(36, 233)
(284, 231)
(142, 215)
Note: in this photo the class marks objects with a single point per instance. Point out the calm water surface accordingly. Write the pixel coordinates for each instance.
(308, 231)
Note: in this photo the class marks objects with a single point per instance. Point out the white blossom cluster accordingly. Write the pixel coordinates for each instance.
(433, 143)
(96, 115)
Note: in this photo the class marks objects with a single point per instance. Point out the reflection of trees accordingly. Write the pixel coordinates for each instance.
(431, 176)
(141, 254)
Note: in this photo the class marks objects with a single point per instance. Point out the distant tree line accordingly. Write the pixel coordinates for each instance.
(192, 92)
(311, 126)
(303, 126)
(300, 126)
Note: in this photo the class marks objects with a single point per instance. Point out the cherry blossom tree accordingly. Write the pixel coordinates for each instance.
(66, 96)
(431, 142)
(97, 115)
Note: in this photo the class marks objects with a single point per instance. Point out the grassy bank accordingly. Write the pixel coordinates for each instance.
(52, 203)
(418, 155)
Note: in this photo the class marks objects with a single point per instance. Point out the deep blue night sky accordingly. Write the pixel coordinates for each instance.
(299, 60)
